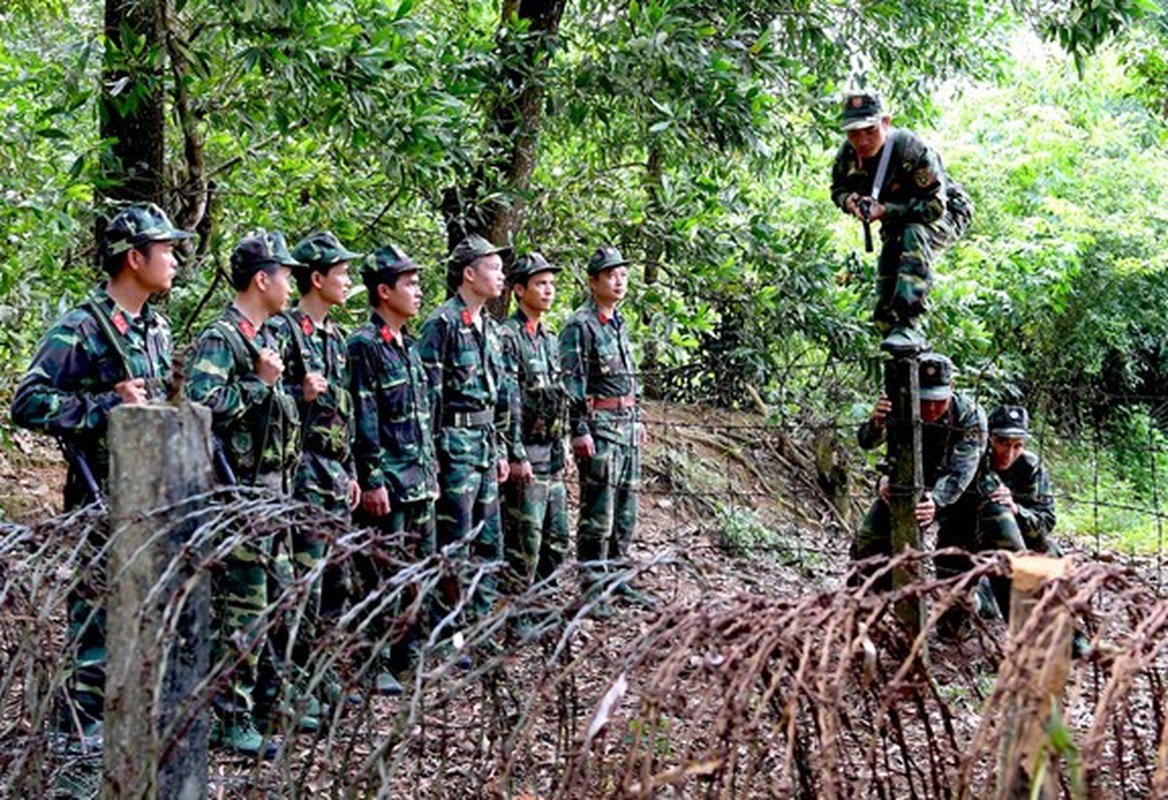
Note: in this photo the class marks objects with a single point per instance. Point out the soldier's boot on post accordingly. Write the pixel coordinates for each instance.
(905, 338)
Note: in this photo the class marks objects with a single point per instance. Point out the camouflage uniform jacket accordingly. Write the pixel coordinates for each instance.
(247, 415)
(392, 443)
(532, 356)
(68, 390)
(914, 185)
(466, 376)
(597, 361)
(951, 448)
(1028, 482)
(307, 347)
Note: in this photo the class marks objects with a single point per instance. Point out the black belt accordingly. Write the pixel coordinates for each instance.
(469, 419)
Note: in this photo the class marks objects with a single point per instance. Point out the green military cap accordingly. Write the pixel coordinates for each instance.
(605, 257)
(862, 110)
(471, 248)
(279, 246)
(1010, 422)
(322, 249)
(935, 374)
(530, 264)
(386, 262)
(137, 225)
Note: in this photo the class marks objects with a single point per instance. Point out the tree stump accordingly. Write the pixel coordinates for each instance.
(155, 736)
(1044, 662)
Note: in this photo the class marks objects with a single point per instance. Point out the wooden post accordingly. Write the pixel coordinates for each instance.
(1046, 657)
(906, 476)
(160, 456)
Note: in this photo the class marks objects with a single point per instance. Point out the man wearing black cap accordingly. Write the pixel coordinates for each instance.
(891, 176)
(471, 400)
(112, 349)
(535, 519)
(953, 438)
(235, 370)
(603, 416)
(393, 444)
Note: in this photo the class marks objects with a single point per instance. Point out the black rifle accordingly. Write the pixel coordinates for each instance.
(76, 457)
(865, 206)
(223, 470)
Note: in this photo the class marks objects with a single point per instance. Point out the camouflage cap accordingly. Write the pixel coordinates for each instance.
(471, 248)
(1010, 422)
(530, 264)
(137, 225)
(935, 373)
(322, 249)
(605, 257)
(259, 249)
(862, 110)
(385, 263)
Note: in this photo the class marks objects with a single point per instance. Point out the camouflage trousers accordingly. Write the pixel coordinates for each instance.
(904, 270)
(977, 525)
(468, 500)
(241, 590)
(324, 483)
(535, 528)
(609, 483)
(86, 634)
(395, 622)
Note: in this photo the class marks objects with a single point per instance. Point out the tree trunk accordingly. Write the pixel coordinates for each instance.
(654, 250)
(132, 101)
(491, 204)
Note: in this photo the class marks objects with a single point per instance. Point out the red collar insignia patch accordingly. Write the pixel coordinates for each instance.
(248, 329)
(119, 321)
(531, 326)
(307, 326)
(602, 317)
(467, 319)
(386, 334)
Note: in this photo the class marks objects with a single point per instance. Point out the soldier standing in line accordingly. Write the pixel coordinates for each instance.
(471, 399)
(112, 349)
(604, 418)
(535, 522)
(953, 438)
(393, 444)
(235, 370)
(889, 175)
(312, 347)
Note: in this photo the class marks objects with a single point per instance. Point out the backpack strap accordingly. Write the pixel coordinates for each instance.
(112, 336)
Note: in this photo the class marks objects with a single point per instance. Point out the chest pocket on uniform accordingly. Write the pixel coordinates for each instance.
(465, 359)
(608, 359)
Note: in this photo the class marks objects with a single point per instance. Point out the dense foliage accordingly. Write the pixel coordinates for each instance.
(696, 135)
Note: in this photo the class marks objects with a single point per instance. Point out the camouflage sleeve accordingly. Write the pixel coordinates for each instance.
(1035, 502)
(870, 436)
(43, 402)
(212, 381)
(962, 461)
(574, 368)
(922, 170)
(840, 188)
(366, 419)
(431, 349)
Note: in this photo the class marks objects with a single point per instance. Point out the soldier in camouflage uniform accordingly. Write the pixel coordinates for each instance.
(1010, 506)
(535, 520)
(112, 349)
(313, 350)
(953, 438)
(603, 415)
(471, 400)
(921, 211)
(394, 449)
(235, 370)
